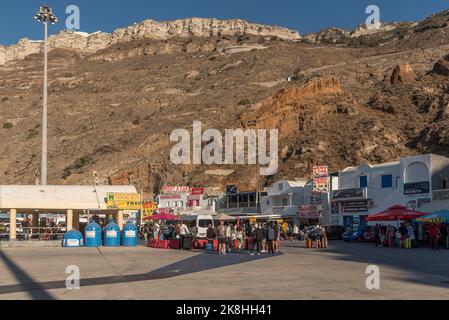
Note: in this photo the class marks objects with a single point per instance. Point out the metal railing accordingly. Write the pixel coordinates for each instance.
(36, 234)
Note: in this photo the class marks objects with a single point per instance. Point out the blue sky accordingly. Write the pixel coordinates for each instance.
(304, 16)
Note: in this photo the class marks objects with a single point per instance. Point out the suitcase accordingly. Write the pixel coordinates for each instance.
(408, 243)
(187, 243)
(209, 247)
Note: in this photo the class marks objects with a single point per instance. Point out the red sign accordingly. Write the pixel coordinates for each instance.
(197, 191)
(320, 171)
(173, 189)
(170, 197)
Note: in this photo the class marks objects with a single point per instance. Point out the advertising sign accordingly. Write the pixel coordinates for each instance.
(309, 212)
(348, 193)
(197, 191)
(417, 188)
(320, 179)
(170, 197)
(149, 209)
(320, 171)
(123, 201)
(175, 189)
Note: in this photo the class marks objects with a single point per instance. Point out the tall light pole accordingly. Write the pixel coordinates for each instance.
(45, 15)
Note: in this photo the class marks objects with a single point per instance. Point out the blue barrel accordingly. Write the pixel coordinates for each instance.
(111, 237)
(93, 235)
(130, 235)
(73, 239)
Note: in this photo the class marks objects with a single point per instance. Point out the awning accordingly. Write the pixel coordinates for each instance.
(395, 213)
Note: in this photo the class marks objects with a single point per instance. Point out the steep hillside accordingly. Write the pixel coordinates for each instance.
(112, 109)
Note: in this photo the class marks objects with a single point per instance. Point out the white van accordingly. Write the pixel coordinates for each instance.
(198, 224)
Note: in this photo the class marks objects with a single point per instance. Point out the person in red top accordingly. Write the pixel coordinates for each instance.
(434, 234)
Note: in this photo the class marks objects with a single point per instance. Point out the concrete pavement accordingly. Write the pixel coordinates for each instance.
(297, 273)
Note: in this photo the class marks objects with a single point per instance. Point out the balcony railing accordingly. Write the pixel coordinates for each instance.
(440, 195)
(284, 210)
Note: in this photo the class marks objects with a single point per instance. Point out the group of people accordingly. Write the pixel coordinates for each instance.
(407, 234)
(255, 238)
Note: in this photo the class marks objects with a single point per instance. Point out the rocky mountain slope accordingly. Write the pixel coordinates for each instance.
(370, 98)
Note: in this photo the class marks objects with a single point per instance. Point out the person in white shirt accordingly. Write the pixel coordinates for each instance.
(295, 232)
(228, 237)
(183, 233)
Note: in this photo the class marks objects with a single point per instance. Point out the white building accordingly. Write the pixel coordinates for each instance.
(369, 189)
(285, 198)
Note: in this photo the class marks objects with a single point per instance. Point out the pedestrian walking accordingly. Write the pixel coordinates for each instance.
(221, 234)
(390, 236)
(271, 237)
(259, 235)
(211, 235)
(434, 233)
(377, 236)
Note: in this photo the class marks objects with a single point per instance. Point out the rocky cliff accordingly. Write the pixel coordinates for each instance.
(148, 29)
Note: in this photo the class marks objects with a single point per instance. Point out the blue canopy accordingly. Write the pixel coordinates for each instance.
(441, 216)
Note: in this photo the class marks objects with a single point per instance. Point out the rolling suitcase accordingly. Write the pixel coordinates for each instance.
(187, 243)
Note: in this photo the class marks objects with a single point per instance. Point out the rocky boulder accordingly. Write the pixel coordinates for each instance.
(442, 66)
(403, 73)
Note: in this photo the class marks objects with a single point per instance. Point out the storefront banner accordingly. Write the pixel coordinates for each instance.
(170, 197)
(321, 184)
(149, 209)
(417, 188)
(320, 171)
(197, 191)
(175, 189)
(348, 193)
(123, 201)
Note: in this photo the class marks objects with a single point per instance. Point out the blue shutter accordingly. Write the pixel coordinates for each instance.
(387, 181)
(363, 181)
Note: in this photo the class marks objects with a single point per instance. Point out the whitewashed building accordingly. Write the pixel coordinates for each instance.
(286, 197)
(369, 189)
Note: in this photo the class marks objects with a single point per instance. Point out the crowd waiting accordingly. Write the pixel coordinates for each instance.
(407, 234)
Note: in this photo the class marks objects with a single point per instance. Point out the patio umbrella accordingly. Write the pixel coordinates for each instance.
(395, 213)
(441, 216)
(163, 217)
(224, 217)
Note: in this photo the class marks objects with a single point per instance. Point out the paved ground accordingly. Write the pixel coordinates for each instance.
(297, 273)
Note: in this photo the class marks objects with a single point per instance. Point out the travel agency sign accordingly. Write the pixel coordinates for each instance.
(320, 179)
(123, 201)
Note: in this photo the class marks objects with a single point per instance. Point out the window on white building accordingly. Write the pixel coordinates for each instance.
(281, 187)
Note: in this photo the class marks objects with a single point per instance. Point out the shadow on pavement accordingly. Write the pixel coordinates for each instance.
(194, 264)
(419, 265)
(36, 290)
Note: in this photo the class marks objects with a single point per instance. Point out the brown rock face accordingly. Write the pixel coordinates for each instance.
(442, 66)
(403, 73)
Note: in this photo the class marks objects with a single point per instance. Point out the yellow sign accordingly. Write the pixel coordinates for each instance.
(123, 201)
(252, 220)
(149, 208)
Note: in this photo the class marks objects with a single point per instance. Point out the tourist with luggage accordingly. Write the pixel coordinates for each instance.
(211, 235)
(183, 235)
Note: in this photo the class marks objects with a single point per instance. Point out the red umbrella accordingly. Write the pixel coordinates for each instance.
(395, 213)
(164, 217)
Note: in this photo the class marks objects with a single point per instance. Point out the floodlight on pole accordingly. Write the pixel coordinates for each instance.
(45, 15)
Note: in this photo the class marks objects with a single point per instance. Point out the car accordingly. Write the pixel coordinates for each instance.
(360, 235)
(351, 235)
(335, 232)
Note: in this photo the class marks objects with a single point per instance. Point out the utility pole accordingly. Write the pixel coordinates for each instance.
(45, 15)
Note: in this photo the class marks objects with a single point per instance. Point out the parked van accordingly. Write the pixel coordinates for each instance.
(198, 223)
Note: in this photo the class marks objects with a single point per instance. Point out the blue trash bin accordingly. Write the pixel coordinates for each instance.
(111, 235)
(73, 239)
(93, 235)
(130, 235)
